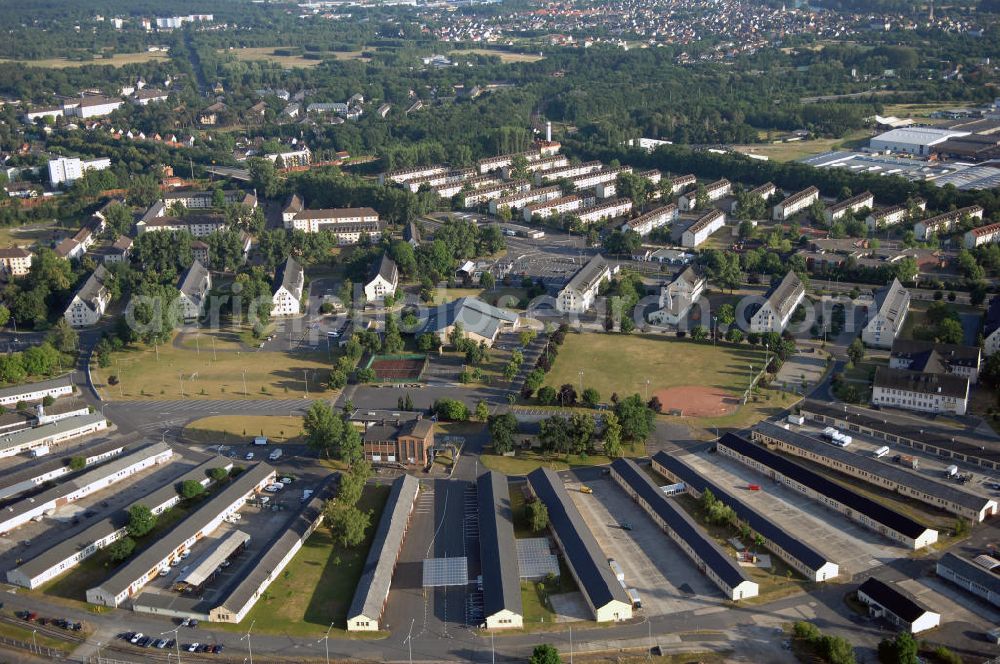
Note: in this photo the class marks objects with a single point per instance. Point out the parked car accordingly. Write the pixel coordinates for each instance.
(136, 637)
(193, 647)
(249, 456)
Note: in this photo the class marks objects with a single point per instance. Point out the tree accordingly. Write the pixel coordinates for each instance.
(63, 337)
(581, 433)
(837, 650)
(591, 397)
(121, 549)
(482, 411)
(555, 434)
(4, 315)
(77, 463)
(536, 377)
(950, 332)
(538, 516)
(567, 395)
(545, 654)
(451, 410)
(727, 314)
(635, 417)
(141, 520)
(503, 428)
(901, 650)
(352, 484)
(264, 177)
(856, 351)
(191, 489)
(612, 436)
(322, 428)
(546, 395)
(218, 474)
(348, 525)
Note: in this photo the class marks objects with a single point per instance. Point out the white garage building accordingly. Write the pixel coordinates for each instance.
(913, 140)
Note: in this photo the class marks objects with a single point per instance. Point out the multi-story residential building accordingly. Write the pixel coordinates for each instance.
(292, 158)
(578, 295)
(383, 281)
(92, 107)
(449, 189)
(502, 161)
(703, 228)
(852, 205)
(678, 296)
(886, 316)
(348, 224)
(764, 192)
(610, 209)
(681, 183)
(90, 302)
(66, 170)
(289, 281)
(193, 199)
(713, 190)
(193, 286)
(401, 175)
(198, 225)
(991, 327)
(931, 357)
(494, 192)
(548, 208)
(644, 224)
(595, 178)
(543, 164)
(890, 216)
(15, 261)
(441, 179)
(977, 237)
(520, 199)
(779, 305)
(794, 204)
(924, 392)
(568, 172)
(119, 251)
(943, 223)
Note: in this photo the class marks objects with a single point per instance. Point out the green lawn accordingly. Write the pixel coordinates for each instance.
(24, 635)
(158, 373)
(317, 586)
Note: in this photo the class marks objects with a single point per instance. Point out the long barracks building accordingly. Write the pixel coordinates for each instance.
(805, 559)
(856, 507)
(722, 570)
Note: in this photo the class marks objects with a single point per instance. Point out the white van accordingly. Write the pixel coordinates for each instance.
(274, 455)
(260, 440)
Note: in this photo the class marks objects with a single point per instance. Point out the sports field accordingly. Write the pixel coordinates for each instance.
(699, 379)
(116, 60)
(289, 61)
(505, 56)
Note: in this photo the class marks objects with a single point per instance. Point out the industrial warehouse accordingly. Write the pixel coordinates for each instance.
(858, 508)
(810, 563)
(498, 553)
(697, 544)
(937, 494)
(376, 577)
(605, 597)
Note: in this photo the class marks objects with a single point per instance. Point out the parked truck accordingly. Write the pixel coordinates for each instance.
(907, 460)
(881, 452)
(951, 471)
(617, 569)
(274, 455)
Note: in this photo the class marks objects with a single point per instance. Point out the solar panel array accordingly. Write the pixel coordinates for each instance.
(535, 558)
(439, 572)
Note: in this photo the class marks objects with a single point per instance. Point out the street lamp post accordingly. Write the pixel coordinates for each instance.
(247, 637)
(34, 640)
(177, 641)
(409, 639)
(326, 642)
(180, 379)
(244, 383)
(305, 377)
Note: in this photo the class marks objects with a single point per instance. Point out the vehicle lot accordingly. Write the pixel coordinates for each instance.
(665, 578)
(854, 548)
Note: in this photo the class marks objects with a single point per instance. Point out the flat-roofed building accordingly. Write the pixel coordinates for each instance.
(854, 506)
(887, 601)
(205, 569)
(36, 472)
(893, 477)
(29, 392)
(498, 554)
(51, 434)
(886, 315)
(722, 570)
(605, 597)
(794, 204)
(372, 592)
(798, 554)
(130, 579)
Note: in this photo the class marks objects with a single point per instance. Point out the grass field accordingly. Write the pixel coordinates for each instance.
(116, 60)
(24, 635)
(157, 373)
(800, 149)
(24, 236)
(289, 61)
(231, 429)
(615, 364)
(317, 586)
(505, 56)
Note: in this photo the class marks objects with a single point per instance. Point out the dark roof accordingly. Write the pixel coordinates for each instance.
(475, 316)
(945, 385)
(386, 431)
(850, 202)
(969, 570)
(498, 553)
(759, 523)
(708, 551)
(860, 504)
(799, 195)
(917, 428)
(780, 295)
(194, 282)
(589, 275)
(922, 354)
(385, 268)
(411, 233)
(291, 276)
(876, 468)
(893, 599)
(583, 555)
(992, 320)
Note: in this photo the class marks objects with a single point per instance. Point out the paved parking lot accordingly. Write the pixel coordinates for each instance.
(854, 548)
(666, 579)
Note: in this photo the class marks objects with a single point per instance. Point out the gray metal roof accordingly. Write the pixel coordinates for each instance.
(783, 294)
(583, 554)
(589, 275)
(194, 282)
(65, 488)
(891, 302)
(802, 552)
(29, 436)
(498, 553)
(125, 575)
(934, 384)
(710, 553)
(92, 288)
(202, 570)
(15, 390)
(290, 276)
(237, 597)
(36, 467)
(376, 575)
(876, 468)
(475, 316)
(65, 548)
(969, 570)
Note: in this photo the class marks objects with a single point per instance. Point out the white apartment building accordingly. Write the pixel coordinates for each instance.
(942, 223)
(886, 316)
(764, 192)
(198, 225)
(289, 281)
(779, 306)
(15, 261)
(348, 224)
(977, 237)
(568, 172)
(450, 189)
(595, 178)
(66, 170)
(682, 182)
(401, 175)
(886, 217)
(714, 191)
(384, 279)
(919, 391)
(578, 295)
(440, 179)
(703, 228)
(852, 205)
(551, 207)
(292, 158)
(615, 207)
(519, 200)
(494, 192)
(795, 203)
(544, 164)
(90, 302)
(193, 287)
(644, 225)
(92, 107)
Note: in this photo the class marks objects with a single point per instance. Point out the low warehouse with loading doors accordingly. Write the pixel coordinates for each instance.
(606, 598)
(809, 562)
(498, 554)
(867, 512)
(365, 612)
(723, 570)
(886, 601)
(978, 576)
